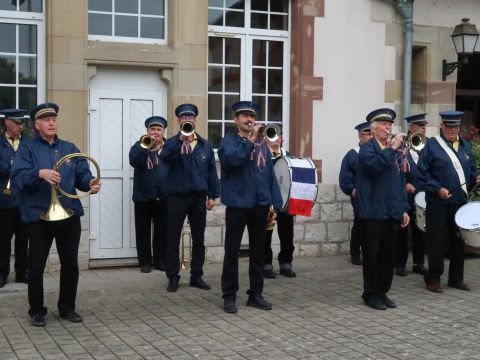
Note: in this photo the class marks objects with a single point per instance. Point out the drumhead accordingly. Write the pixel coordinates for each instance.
(284, 178)
(420, 200)
(468, 216)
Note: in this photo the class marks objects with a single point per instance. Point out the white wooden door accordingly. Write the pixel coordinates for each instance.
(117, 116)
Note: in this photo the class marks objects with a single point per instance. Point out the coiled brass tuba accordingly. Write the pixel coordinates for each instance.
(56, 211)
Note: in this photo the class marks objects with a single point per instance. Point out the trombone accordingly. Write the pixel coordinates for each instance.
(56, 211)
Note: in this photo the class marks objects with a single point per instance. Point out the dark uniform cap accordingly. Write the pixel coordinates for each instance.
(17, 115)
(186, 109)
(246, 107)
(44, 110)
(383, 114)
(417, 119)
(156, 120)
(363, 127)
(451, 117)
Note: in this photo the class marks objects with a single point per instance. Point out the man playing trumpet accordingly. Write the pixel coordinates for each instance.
(192, 189)
(33, 177)
(382, 205)
(249, 188)
(149, 195)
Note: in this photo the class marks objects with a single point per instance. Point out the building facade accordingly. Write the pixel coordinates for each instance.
(315, 66)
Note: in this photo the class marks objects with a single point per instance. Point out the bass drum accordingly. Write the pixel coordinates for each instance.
(298, 181)
(420, 208)
(467, 219)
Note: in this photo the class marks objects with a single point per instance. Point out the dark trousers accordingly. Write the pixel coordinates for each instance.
(378, 256)
(146, 213)
(67, 238)
(285, 233)
(255, 219)
(179, 207)
(356, 235)
(418, 244)
(442, 239)
(10, 224)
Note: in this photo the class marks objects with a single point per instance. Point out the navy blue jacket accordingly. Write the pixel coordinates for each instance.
(193, 173)
(148, 184)
(436, 171)
(34, 193)
(7, 154)
(380, 184)
(244, 185)
(346, 178)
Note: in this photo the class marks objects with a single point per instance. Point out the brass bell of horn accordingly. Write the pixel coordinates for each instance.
(56, 211)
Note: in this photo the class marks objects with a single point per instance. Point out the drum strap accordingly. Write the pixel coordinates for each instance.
(414, 156)
(454, 159)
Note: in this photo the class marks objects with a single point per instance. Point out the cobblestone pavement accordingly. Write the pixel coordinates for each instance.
(318, 315)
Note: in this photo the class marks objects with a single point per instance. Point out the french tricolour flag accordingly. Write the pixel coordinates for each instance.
(303, 191)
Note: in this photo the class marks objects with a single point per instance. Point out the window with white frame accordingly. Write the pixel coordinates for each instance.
(22, 54)
(141, 21)
(248, 59)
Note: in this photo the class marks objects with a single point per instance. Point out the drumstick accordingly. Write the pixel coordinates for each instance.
(459, 186)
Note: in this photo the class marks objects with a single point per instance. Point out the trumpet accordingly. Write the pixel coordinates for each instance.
(146, 142)
(270, 221)
(56, 211)
(271, 132)
(415, 141)
(187, 128)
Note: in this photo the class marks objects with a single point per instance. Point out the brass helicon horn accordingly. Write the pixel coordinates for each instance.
(56, 211)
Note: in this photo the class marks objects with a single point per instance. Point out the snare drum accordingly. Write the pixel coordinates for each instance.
(420, 207)
(297, 178)
(467, 219)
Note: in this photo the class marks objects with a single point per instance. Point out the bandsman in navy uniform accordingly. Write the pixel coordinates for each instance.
(382, 206)
(249, 190)
(32, 177)
(192, 187)
(447, 171)
(416, 124)
(347, 181)
(284, 224)
(10, 220)
(149, 196)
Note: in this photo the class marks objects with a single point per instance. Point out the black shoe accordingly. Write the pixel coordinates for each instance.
(173, 283)
(269, 274)
(400, 271)
(21, 278)
(419, 269)
(71, 316)
(259, 302)
(375, 303)
(288, 272)
(146, 268)
(229, 305)
(356, 260)
(3, 281)
(199, 283)
(38, 319)
(388, 303)
(160, 266)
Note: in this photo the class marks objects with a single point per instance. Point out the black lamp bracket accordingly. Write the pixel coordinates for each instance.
(448, 68)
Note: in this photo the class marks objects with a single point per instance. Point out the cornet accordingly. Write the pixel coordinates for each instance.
(415, 141)
(146, 142)
(187, 128)
(271, 132)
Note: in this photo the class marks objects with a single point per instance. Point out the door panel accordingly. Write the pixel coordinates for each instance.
(117, 119)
